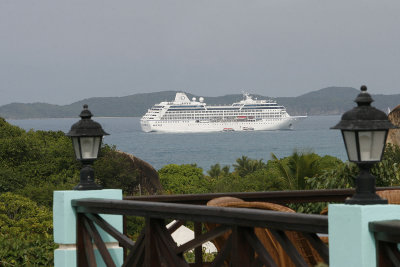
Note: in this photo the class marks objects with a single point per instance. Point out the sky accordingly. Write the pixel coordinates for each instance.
(60, 52)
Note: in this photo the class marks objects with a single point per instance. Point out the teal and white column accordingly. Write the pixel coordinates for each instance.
(64, 221)
(350, 241)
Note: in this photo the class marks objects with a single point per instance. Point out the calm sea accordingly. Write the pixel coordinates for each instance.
(206, 149)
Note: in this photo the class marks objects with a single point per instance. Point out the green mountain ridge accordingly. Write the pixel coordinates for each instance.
(326, 101)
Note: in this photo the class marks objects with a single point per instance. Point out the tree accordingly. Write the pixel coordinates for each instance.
(246, 165)
(35, 163)
(225, 170)
(343, 175)
(259, 180)
(387, 171)
(25, 232)
(215, 171)
(183, 179)
(299, 166)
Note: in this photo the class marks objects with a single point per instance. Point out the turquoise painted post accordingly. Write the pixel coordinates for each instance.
(64, 221)
(350, 241)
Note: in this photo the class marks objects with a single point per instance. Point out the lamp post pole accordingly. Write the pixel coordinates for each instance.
(365, 188)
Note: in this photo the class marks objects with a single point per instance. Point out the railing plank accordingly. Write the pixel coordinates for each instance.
(289, 248)
(203, 238)
(259, 248)
(82, 260)
(88, 246)
(136, 255)
(279, 197)
(241, 254)
(393, 253)
(94, 234)
(122, 239)
(224, 254)
(170, 247)
(175, 226)
(318, 245)
(198, 250)
(150, 258)
(223, 215)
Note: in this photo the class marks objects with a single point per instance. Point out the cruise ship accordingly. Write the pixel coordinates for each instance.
(185, 115)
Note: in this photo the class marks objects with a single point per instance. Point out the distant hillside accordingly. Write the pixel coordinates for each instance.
(327, 101)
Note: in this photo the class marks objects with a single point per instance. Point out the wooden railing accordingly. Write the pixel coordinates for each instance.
(242, 247)
(155, 246)
(387, 238)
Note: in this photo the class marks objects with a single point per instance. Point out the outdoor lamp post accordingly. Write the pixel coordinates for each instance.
(364, 130)
(86, 137)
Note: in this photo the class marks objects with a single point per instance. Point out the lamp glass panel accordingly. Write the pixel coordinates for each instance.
(371, 145)
(90, 147)
(75, 143)
(351, 145)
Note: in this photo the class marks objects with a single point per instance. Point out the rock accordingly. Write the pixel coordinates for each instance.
(148, 176)
(394, 134)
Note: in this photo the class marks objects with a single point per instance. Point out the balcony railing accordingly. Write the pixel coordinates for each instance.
(239, 229)
(155, 246)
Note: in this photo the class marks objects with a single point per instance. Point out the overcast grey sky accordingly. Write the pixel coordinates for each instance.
(63, 51)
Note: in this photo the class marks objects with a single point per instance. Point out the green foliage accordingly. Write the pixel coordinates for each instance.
(215, 171)
(25, 232)
(259, 180)
(344, 174)
(245, 165)
(207, 257)
(134, 226)
(310, 208)
(183, 179)
(387, 171)
(289, 173)
(33, 164)
(298, 167)
(7, 130)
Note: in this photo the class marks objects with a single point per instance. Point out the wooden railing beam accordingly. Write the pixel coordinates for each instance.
(279, 197)
(231, 216)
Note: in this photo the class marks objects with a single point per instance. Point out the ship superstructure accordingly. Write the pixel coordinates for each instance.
(185, 115)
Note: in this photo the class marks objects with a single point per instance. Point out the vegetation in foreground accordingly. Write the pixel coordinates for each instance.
(35, 163)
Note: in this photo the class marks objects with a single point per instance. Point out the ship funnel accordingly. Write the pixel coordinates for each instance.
(181, 98)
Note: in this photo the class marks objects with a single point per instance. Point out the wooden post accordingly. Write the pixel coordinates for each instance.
(242, 254)
(198, 252)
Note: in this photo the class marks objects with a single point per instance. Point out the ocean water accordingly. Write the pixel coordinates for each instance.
(205, 149)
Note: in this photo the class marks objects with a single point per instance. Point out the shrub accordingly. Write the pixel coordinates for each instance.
(25, 232)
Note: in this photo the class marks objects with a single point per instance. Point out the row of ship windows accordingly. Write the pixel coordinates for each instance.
(225, 115)
(222, 109)
(159, 123)
(205, 117)
(224, 112)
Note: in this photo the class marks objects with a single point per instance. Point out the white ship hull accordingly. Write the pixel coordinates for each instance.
(203, 127)
(191, 116)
